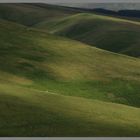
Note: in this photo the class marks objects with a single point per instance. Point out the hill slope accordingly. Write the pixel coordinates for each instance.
(113, 34)
(26, 112)
(43, 79)
(67, 66)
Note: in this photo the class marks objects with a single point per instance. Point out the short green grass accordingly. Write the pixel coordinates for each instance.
(109, 33)
(27, 112)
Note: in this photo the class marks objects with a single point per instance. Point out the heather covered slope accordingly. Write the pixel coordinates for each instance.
(109, 33)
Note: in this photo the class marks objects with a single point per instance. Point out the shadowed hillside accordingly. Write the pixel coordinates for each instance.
(30, 14)
(113, 34)
(122, 13)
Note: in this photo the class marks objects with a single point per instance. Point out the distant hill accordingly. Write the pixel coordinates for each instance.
(109, 33)
(129, 13)
(33, 13)
(123, 13)
(114, 6)
(30, 14)
(115, 9)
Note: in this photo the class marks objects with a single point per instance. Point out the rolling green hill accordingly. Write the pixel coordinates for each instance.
(109, 33)
(68, 67)
(54, 86)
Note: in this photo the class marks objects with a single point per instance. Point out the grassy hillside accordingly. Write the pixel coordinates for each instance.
(30, 14)
(67, 66)
(27, 112)
(113, 34)
(53, 86)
